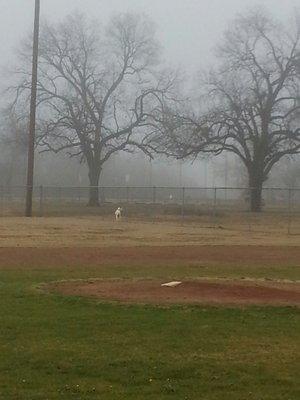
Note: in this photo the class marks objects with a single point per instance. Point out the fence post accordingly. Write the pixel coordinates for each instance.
(249, 196)
(60, 195)
(289, 211)
(127, 194)
(2, 200)
(41, 201)
(154, 195)
(215, 206)
(183, 202)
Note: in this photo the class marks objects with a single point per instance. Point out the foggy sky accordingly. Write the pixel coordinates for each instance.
(187, 29)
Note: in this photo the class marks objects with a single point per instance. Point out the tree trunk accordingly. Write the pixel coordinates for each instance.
(255, 186)
(256, 199)
(94, 176)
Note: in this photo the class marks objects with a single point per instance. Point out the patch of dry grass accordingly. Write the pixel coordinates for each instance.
(98, 231)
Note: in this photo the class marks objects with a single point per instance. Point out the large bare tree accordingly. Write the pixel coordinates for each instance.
(99, 88)
(251, 101)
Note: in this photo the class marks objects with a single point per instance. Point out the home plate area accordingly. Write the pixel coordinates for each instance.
(204, 291)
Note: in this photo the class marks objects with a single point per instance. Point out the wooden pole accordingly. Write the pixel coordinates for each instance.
(32, 123)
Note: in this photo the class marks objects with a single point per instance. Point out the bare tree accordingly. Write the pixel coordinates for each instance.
(98, 89)
(252, 101)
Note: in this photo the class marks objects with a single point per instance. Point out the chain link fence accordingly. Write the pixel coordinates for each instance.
(219, 207)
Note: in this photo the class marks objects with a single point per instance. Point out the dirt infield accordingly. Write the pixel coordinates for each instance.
(189, 292)
(29, 258)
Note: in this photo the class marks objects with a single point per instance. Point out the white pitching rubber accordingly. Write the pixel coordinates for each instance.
(172, 284)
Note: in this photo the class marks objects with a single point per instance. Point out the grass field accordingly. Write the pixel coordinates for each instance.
(56, 347)
(95, 231)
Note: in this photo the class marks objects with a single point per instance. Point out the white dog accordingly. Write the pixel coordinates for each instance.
(118, 213)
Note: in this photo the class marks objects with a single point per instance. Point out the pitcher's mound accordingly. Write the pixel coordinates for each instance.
(188, 292)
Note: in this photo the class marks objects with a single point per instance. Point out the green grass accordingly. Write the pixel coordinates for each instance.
(54, 347)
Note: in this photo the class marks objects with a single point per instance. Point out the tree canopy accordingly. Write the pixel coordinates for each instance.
(99, 88)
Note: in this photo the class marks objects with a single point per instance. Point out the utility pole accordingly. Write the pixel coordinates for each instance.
(32, 123)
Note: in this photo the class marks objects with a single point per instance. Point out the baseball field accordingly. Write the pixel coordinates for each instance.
(84, 315)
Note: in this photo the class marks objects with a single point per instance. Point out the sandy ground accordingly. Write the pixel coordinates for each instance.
(189, 292)
(105, 232)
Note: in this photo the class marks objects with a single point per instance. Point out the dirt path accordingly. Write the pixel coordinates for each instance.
(155, 255)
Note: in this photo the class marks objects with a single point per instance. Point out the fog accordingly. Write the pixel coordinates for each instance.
(188, 31)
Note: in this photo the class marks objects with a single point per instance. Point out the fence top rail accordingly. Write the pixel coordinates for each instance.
(2, 187)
